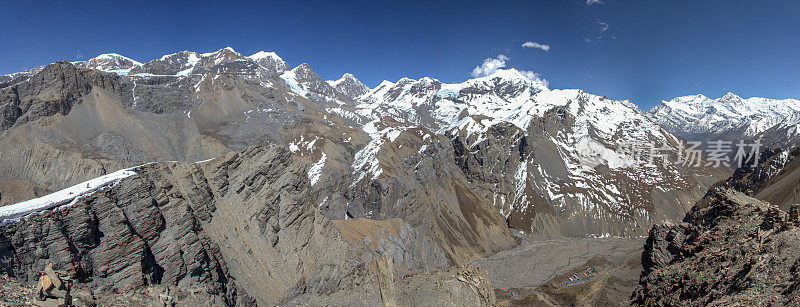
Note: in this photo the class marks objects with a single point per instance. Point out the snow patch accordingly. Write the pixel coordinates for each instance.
(69, 196)
(291, 79)
(315, 172)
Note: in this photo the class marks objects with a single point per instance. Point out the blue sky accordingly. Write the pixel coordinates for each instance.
(640, 50)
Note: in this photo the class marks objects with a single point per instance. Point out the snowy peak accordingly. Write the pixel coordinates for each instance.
(385, 84)
(567, 148)
(227, 51)
(513, 75)
(438, 105)
(731, 97)
(270, 61)
(110, 62)
(303, 81)
(265, 55)
(226, 54)
(510, 73)
(185, 63)
(698, 117)
(181, 63)
(304, 74)
(210, 60)
(349, 86)
(305, 69)
(346, 77)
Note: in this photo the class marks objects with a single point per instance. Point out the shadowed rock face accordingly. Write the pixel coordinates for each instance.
(54, 90)
(730, 249)
(242, 227)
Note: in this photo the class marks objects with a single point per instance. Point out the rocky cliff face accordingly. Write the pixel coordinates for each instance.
(243, 227)
(270, 61)
(730, 249)
(310, 181)
(54, 90)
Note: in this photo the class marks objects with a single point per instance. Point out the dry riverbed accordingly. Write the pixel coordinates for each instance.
(536, 272)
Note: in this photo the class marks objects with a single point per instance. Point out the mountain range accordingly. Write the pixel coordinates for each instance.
(548, 161)
(729, 118)
(269, 184)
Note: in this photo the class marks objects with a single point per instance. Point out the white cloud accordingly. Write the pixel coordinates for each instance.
(489, 66)
(536, 45)
(535, 77)
(590, 2)
(492, 65)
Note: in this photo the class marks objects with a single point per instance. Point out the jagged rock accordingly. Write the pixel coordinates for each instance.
(728, 250)
(303, 80)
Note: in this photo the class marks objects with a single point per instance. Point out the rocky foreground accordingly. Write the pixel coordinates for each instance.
(730, 249)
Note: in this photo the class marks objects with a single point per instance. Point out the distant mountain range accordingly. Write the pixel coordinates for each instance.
(698, 118)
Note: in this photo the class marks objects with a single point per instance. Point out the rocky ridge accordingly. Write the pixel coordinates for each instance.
(730, 249)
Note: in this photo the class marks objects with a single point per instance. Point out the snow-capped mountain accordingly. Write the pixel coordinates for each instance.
(555, 162)
(185, 63)
(785, 134)
(110, 62)
(181, 63)
(304, 81)
(438, 105)
(561, 152)
(349, 86)
(270, 61)
(699, 118)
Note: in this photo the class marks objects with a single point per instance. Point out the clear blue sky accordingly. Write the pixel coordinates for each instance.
(650, 50)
